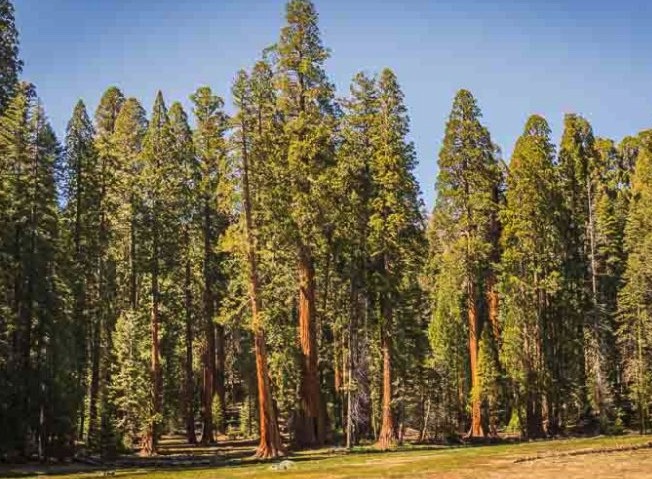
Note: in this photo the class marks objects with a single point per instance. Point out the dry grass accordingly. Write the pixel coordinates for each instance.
(595, 458)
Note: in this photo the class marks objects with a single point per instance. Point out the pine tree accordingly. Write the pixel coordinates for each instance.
(465, 229)
(579, 177)
(32, 291)
(530, 275)
(108, 204)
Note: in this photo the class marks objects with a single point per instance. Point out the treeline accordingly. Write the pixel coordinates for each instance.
(273, 274)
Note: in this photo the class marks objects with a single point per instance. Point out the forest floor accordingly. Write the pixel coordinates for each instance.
(594, 458)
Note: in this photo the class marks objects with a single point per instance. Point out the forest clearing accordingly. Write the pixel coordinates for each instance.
(249, 282)
(597, 458)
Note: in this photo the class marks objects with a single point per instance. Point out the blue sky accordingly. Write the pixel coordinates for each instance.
(517, 57)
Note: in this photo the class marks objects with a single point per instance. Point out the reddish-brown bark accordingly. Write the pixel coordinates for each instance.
(270, 445)
(493, 305)
(310, 423)
(476, 429)
(387, 437)
(148, 442)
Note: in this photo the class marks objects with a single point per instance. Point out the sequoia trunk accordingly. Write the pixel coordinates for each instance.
(310, 424)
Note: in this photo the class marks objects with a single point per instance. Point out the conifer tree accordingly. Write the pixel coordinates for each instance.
(157, 174)
(253, 97)
(634, 301)
(81, 216)
(305, 101)
(353, 183)
(187, 211)
(465, 226)
(130, 375)
(210, 147)
(395, 228)
(580, 179)
(33, 368)
(530, 274)
(10, 65)
(108, 197)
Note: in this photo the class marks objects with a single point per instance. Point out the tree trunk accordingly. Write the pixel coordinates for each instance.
(220, 368)
(270, 445)
(150, 437)
(133, 285)
(93, 394)
(209, 331)
(188, 392)
(493, 306)
(474, 337)
(310, 424)
(387, 437)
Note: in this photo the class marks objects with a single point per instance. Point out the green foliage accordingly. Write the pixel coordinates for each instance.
(10, 64)
(463, 237)
(126, 264)
(530, 278)
(634, 302)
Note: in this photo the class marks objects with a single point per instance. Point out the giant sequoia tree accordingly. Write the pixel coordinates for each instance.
(254, 127)
(211, 151)
(305, 101)
(394, 227)
(465, 223)
(157, 172)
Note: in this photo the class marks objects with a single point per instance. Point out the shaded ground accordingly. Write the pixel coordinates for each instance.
(545, 459)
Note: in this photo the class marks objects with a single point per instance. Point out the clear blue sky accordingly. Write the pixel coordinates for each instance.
(517, 57)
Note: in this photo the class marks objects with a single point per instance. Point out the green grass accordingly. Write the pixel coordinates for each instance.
(419, 461)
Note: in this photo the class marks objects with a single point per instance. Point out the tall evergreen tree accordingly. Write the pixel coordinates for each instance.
(210, 147)
(157, 175)
(465, 224)
(530, 275)
(10, 65)
(395, 228)
(187, 211)
(108, 198)
(81, 216)
(305, 101)
(635, 301)
(354, 185)
(253, 97)
(130, 374)
(579, 178)
(33, 362)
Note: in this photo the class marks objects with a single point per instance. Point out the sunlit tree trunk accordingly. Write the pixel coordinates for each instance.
(270, 445)
(310, 423)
